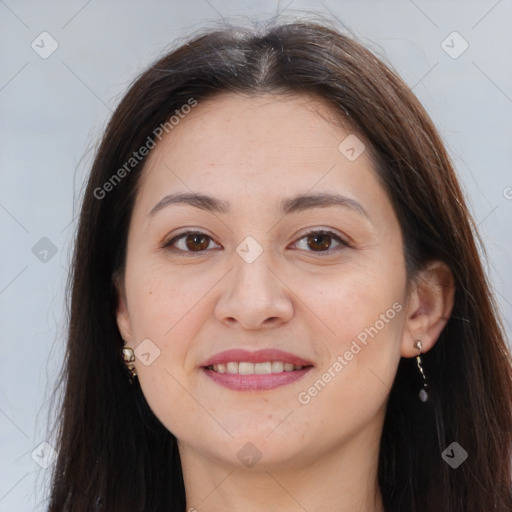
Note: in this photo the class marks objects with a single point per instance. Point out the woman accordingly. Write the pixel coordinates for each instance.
(277, 301)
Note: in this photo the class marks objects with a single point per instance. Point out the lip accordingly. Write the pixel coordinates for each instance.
(255, 382)
(259, 356)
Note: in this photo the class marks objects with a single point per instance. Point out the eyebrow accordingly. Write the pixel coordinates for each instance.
(294, 204)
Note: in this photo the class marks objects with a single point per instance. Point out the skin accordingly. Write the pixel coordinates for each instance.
(254, 152)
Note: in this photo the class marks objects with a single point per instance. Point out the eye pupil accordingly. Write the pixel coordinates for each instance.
(319, 242)
(197, 242)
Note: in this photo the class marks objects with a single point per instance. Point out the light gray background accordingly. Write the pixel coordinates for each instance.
(54, 109)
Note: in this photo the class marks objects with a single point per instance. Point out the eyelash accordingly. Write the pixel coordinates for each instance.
(322, 232)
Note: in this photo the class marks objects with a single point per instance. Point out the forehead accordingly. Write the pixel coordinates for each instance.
(265, 144)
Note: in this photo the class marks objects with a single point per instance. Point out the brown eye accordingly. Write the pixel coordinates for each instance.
(190, 242)
(197, 242)
(319, 242)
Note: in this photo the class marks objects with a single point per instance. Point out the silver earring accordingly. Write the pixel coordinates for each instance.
(423, 391)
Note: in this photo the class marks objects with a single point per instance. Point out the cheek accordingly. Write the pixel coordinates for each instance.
(362, 310)
(160, 300)
(169, 310)
(350, 388)
(355, 299)
(159, 305)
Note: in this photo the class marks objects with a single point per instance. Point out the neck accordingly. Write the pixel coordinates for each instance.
(344, 479)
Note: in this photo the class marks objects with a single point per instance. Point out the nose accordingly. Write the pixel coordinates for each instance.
(254, 297)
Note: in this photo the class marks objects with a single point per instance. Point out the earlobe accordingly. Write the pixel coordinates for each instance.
(429, 307)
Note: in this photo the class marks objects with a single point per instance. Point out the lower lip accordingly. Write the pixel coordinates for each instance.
(256, 382)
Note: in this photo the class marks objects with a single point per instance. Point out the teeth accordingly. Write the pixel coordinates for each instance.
(261, 368)
(277, 367)
(243, 368)
(232, 368)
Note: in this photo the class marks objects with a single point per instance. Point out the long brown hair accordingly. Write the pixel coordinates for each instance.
(115, 455)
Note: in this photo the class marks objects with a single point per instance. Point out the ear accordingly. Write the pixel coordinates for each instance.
(122, 314)
(429, 306)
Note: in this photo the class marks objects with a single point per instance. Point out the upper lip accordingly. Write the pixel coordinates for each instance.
(258, 356)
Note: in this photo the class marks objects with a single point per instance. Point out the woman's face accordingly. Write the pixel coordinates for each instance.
(294, 288)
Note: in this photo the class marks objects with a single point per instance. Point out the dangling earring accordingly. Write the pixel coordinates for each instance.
(129, 359)
(423, 391)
